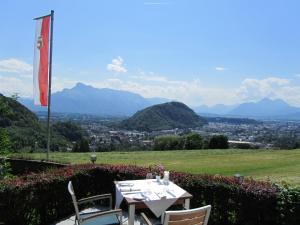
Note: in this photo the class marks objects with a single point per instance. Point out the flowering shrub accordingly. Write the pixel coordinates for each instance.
(43, 198)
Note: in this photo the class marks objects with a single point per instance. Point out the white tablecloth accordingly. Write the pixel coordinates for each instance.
(157, 196)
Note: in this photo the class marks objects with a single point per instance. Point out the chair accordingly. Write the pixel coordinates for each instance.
(198, 216)
(95, 216)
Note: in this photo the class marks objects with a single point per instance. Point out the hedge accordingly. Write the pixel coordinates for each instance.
(43, 198)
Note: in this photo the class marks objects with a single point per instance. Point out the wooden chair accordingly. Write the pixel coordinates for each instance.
(95, 216)
(198, 216)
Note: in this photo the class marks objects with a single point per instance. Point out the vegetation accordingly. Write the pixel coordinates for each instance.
(275, 165)
(20, 129)
(5, 146)
(173, 142)
(218, 142)
(232, 120)
(5, 169)
(70, 130)
(165, 116)
(81, 146)
(47, 201)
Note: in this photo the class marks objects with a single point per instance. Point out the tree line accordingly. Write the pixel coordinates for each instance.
(190, 141)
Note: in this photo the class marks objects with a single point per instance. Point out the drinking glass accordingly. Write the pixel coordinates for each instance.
(149, 176)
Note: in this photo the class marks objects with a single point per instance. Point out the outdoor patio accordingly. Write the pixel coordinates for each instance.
(71, 220)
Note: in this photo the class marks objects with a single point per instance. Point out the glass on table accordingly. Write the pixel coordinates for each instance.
(149, 176)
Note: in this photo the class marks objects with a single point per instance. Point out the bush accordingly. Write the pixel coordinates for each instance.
(43, 198)
(170, 142)
(218, 142)
(193, 141)
(175, 142)
(5, 169)
(5, 145)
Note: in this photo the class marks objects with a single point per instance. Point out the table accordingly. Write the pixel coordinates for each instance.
(151, 186)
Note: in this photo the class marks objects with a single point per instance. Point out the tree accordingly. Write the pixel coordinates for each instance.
(5, 145)
(193, 141)
(81, 146)
(171, 142)
(69, 130)
(218, 142)
(84, 145)
(15, 96)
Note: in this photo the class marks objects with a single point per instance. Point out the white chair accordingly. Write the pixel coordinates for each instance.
(197, 216)
(95, 216)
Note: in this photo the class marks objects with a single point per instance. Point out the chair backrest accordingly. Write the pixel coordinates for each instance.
(71, 191)
(198, 216)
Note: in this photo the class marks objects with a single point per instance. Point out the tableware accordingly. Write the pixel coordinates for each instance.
(158, 179)
(139, 196)
(128, 189)
(166, 177)
(126, 184)
(149, 176)
(170, 193)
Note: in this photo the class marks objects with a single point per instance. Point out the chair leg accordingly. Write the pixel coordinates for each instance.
(121, 220)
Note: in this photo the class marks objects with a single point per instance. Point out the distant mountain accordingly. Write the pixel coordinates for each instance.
(218, 109)
(89, 100)
(265, 108)
(163, 116)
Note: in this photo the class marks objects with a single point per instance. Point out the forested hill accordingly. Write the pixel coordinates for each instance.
(12, 113)
(163, 116)
(26, 132)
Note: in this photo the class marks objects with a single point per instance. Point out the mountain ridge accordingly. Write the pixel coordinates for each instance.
(87, 99)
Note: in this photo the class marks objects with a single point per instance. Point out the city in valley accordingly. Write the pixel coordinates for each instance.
(241, 133)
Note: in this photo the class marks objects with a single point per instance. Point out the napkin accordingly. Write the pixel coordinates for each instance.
(127, 189)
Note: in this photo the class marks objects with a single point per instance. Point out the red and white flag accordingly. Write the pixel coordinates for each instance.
(40, 66)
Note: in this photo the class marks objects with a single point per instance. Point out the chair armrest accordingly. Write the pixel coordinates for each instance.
(95, 198)
(113, 212)
(145, 218)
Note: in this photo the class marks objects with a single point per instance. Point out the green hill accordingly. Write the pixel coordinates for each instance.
(25, 131)
(162, 117)
(12, 113)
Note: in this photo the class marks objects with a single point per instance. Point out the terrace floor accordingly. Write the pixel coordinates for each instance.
(71, 220)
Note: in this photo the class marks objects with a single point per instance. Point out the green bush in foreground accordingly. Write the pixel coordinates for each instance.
(43, 198)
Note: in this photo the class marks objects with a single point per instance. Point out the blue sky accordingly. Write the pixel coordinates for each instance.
(198, 52)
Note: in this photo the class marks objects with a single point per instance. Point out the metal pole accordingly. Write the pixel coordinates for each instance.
(49, 84)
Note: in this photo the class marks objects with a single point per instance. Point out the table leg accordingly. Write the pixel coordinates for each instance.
(131, 214)
(187, 203)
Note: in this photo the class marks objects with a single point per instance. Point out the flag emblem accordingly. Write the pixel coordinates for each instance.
(39, 43)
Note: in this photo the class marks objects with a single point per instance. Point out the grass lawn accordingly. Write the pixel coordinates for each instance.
(277, 165)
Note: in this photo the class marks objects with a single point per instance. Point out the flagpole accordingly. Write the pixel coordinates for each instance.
(49, 84)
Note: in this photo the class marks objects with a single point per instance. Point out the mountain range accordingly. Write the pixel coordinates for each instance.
(89, 100)
(86, 99)
(263, 109)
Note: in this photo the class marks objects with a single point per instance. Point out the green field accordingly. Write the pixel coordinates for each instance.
(276, 165)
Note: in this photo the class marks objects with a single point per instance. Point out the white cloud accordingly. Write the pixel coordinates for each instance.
(191, 92)
(255, 89)
(117, 65)
(219, 68)
(11, 85)
(13, 65)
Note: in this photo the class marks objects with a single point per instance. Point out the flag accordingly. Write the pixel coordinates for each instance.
(40, 65)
